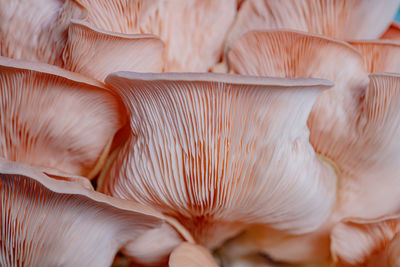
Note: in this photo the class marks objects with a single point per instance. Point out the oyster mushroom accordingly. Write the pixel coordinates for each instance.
(36, 30)
(220, 152)
(54, 118)
(348, 126)
(97, 53)
(367, 242)
(379, 55)
(193, 31)
(341, 19)
(53, 222)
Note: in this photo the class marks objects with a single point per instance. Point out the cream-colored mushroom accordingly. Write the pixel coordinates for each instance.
(54, 118)
(193, 31)
(97, 53)
(341, 19)
(393, 32)
(53, 222)
(219, 152)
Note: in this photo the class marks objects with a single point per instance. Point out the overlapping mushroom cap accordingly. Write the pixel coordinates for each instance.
(338, 19)
(218, 152)
(54, 118)
(49, 219)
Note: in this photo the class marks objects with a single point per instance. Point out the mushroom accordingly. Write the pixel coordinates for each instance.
(367, 242)
(379, 55)
(351, 126)
(36, 30)
(55, 118)
(96, 53)
(393, 32)
(218, 152)
(341, 19)
(191, 255)
(193, 31)
(54, 222)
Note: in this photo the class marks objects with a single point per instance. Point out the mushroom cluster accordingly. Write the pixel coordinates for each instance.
(199, 133)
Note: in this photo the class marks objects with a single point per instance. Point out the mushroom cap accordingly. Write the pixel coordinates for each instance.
(218, 152)
(55, 118)
(36, 30)
(379, 55)
(97, 53)
(337, 19)
(193, 31)
(370, 242)
(49, 222)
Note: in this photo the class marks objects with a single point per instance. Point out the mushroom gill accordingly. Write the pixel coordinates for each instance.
(193, 31)
(97, 53)
(49, 222)
(352, 126)
(36, 30)
(54, 118)
(367, 242)
(379, 55)
(341, 19)
(218, 152)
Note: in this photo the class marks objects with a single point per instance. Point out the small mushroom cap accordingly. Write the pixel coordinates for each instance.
(393, 32)
(36, 30)
(97, 53)
(50, 222)
(379, 55)
(337, 19)
(193, 31)
(55, 118)
(191, 255)
(221, 151)
(371, 242)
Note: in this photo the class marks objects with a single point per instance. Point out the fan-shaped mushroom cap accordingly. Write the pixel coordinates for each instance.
(295, 55)
(55, 118)
(97, 53)
(35, 30)
(379, 55)
(393, 32)
(340, 19)
(49, 222)
(193, 31)
(218, 152)
(373, 242)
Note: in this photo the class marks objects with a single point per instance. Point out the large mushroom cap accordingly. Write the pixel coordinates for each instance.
(36, 30)
(97, 53)
(55, 118)
(50, 222)
(193, 31)
(218, 152)
(340, 19)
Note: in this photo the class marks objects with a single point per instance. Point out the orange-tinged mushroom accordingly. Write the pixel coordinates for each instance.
(379, 55)
(218, 152)
(341, 19)
(393, 32)
(36, 30)
(54, 118)
(50, 222)
(191, 255)
(193, 31)
(97, 53)
(367, 242)
(352, 126)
